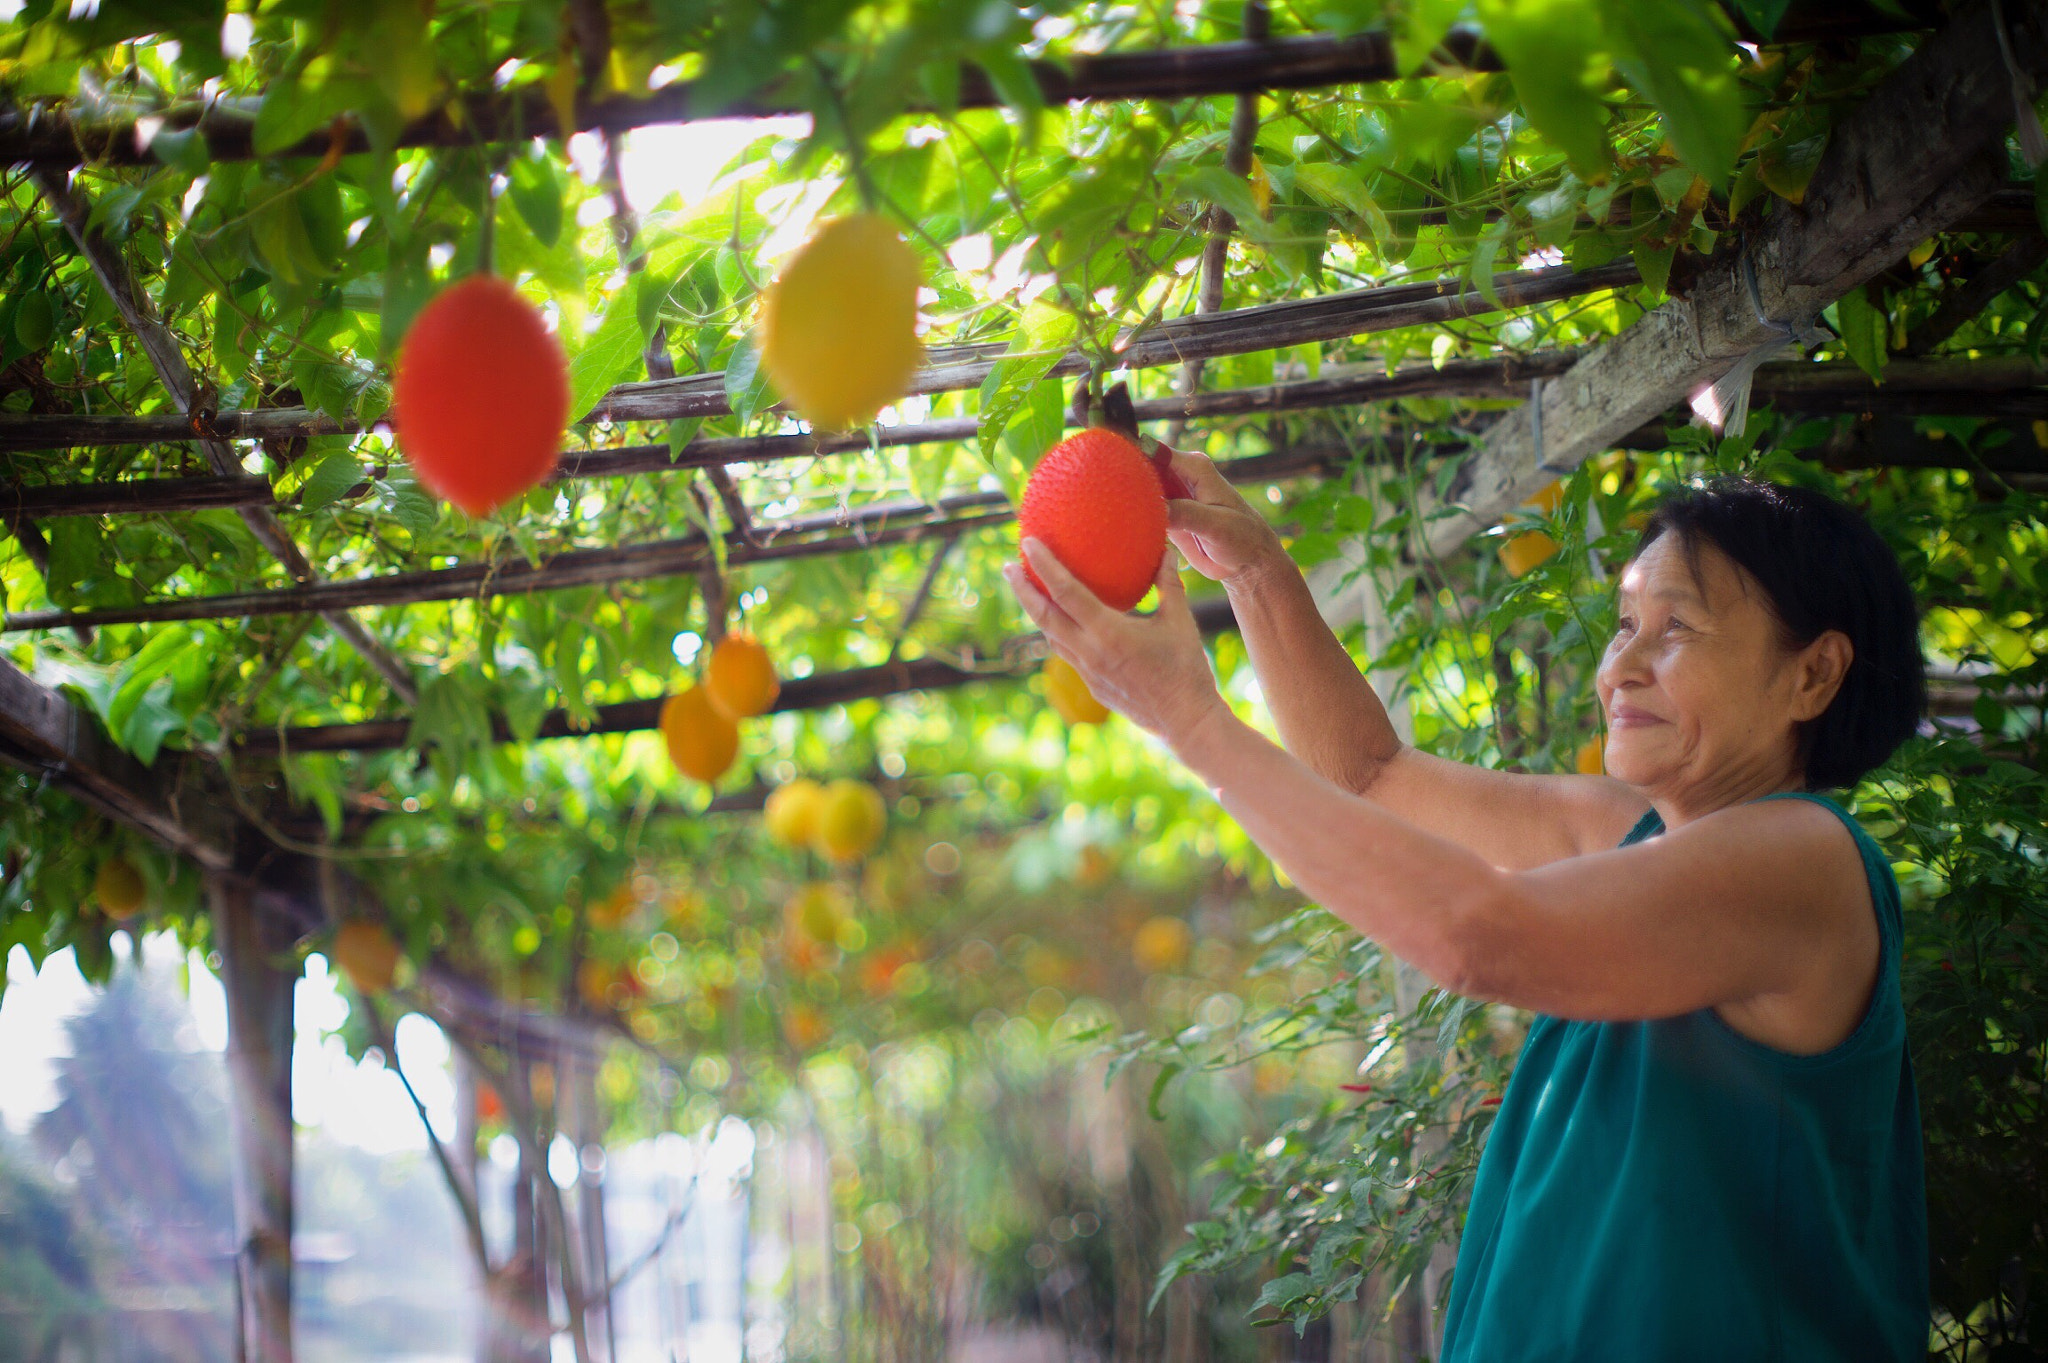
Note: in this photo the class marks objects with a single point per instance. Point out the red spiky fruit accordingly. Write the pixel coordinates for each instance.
(480, 394)
(1096, 502)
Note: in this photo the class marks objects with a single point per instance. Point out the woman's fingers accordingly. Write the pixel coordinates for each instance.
(1054, 623)
(1069, 593)
(1209, 485)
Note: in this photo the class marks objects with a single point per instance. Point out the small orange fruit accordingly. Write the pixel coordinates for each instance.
(1548, 498)
(1591, 759)
(120, 888)
(489, 1107)
(851, 820)
(1068, 691)
(791, 812)
(1097, 503)
(480, 394)
(805, 1027)
(739, 678)
(839, 324)
(701, 742)
(615, 908)
(366, 953)
(1523, 551)
(1160, 943)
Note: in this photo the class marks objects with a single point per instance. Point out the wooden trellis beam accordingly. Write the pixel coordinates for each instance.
(1014, 658)
(946, 369)
(55, 138)
(167, 357)
(900, 521)
(1923, 150)
(1993, 387)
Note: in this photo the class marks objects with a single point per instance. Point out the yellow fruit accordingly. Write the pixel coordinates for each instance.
(792, 810)
(366, 954)
(1549, 498)
(701, 742)
(1160, 943)
(839, 324)
(1068, 691)
(739, 678)
(1921, 254)
(120, 888)
(1523, 551)
(1592, 757)
(851, 820)
(817, 910)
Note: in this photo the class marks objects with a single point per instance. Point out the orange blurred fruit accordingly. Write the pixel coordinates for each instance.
(615, 908)
(838, 331)
(1591, 759)
(1068, 692)
(366, 953)
(1525, 550)
(817, 910)
(1161, 943)
(792, 810)
(739, 678)
(1096, 502)
(489, 1107)
(701, 741)
(120, 889)
(805, 1026)
(480, 394)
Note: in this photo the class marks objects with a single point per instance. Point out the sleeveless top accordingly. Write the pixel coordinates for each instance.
(1672, 1190)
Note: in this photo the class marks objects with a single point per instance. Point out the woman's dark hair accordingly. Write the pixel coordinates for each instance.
(1821, 567)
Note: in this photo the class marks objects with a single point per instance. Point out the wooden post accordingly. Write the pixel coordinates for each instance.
(258, 972)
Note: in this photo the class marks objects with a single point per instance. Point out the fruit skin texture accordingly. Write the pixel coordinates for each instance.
(851, 820)
(839, 324)
(1096, 502)
(480, 395)
(1068, 691)
(120, 888)
(792, 811)
(739, 678)
(366, 954)
(701, 742)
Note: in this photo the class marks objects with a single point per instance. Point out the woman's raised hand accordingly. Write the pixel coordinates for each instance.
(1223, 536)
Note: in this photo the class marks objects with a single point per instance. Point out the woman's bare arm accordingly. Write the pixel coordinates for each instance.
(1329, 716)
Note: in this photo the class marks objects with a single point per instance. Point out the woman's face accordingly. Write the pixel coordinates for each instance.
(1704, 700)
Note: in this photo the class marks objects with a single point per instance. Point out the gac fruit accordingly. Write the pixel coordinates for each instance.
(1096, 502)
(480, 395)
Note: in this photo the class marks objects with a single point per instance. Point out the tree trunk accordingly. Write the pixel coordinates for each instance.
(258, 971)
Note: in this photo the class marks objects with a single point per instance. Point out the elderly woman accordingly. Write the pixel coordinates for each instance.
(1710, 1148)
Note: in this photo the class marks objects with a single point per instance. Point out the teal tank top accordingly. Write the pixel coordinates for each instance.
(1672, 1190)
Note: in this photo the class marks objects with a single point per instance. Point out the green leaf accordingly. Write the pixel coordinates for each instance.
(537, 194)
(330, 480)
(1553, 55)
(1419, 26)
(156, 657)
(609, 356)
(746, 383)
(1763, 15)
(1673, 52)
(408, 504)
(1044, 335)
(1654, 262)
(1342, 187)
(1165, 1077)
(1862, 326)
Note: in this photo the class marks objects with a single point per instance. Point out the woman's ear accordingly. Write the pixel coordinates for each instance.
(1822, 665)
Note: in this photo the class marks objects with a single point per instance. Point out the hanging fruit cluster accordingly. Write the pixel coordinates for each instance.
(700, 723)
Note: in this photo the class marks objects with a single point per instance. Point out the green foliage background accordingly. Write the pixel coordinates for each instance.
(1620, 129)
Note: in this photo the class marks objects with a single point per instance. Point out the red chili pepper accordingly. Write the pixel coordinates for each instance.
(1356, 1088)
